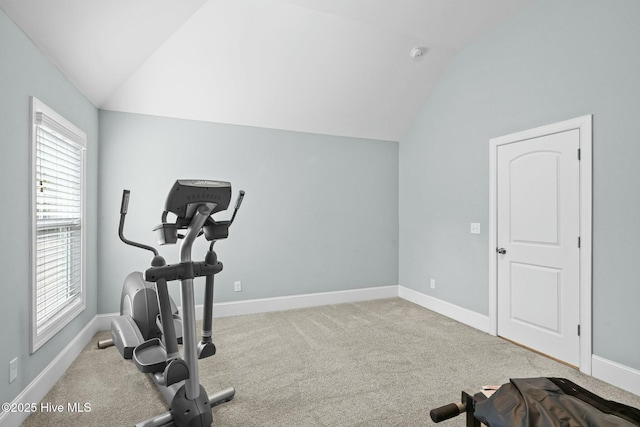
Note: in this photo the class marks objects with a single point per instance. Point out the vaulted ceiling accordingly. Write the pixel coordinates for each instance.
(337, 67)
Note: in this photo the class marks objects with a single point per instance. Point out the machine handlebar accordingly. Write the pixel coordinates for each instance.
(181, 201)
(125, 202)
(446, 412)
(238, 203)
(451, 410)
(123, 213)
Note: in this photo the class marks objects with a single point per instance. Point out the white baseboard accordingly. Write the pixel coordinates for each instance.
(462, 315)
(40, 386)
(265, 305)
(292, 302)
(103, 321)
(614, 373)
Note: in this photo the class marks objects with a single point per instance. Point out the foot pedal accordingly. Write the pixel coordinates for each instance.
(206, 349)
(150, 356)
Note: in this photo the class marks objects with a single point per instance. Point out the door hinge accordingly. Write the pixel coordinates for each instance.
(579, 242)
(578, 154)
(578, 330)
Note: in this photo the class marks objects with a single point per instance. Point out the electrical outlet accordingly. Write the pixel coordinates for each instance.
(475, 228)
(237, 286)
(13, 369)
(433, 283)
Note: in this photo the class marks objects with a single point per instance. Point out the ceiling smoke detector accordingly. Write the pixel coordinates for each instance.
(417, 52)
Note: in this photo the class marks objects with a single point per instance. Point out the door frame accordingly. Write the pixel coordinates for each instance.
(584, 125)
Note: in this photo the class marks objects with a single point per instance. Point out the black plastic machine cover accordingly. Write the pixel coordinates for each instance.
(186, 194)
(552, 402)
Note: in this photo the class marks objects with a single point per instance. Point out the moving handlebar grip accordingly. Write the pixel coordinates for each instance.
(125, 202)
(123, 212)
(239, 201)
(447, 411)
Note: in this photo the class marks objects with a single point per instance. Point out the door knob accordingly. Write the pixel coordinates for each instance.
(501, 251)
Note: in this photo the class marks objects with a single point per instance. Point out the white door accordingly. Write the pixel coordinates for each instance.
(538, 260)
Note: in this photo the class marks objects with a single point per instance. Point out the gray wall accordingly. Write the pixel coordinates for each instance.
(25, 72)
(320, 212)
(555, 61)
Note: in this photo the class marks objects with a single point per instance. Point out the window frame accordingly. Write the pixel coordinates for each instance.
(73, 135)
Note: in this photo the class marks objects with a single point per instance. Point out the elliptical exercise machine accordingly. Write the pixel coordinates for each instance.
(149, 329)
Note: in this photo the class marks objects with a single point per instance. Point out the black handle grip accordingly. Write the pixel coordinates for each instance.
(240, 197)
(125, 202)
(445, 412)
(238, 203)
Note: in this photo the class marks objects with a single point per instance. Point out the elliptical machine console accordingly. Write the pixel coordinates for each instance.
(149, 328)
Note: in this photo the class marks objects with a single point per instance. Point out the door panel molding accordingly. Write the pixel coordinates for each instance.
(584, 126)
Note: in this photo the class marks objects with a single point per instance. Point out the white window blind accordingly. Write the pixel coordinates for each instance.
(58, 178)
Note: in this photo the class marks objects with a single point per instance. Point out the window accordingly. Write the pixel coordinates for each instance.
(58, 289)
